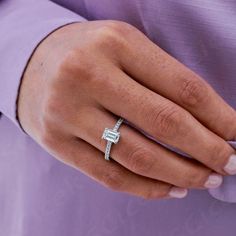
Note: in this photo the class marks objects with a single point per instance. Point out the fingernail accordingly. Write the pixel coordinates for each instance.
(230, 167)
(178, 192)
(214, 181)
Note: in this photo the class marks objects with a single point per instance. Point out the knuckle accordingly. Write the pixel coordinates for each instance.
(121, 27)
(113, 180)
(68, 61)
(79, 69)
(229, 132)
(192, 179)
(167, 122)
(139, 160)
(111, 35)
(214, 159)
(158, 192)
(75, 64)
(193, 92)
(106, 34)
(218, 156)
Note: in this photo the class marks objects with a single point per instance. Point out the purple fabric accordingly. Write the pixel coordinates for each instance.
(41, 196)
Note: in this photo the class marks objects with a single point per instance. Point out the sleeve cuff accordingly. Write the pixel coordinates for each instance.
(21, 32)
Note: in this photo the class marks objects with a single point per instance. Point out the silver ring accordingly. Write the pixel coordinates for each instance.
(112, 136)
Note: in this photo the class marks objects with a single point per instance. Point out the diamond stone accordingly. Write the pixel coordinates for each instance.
(111, 135)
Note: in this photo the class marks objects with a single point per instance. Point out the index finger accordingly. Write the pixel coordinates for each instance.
(153, 67)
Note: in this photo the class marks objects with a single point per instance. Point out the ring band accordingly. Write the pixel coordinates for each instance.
(112, 136)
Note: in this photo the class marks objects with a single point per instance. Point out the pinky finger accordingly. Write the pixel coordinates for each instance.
(91, 162)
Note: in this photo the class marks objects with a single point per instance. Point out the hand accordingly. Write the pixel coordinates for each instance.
(83, 76)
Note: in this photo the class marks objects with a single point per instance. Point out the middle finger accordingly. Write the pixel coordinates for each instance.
(162, 119)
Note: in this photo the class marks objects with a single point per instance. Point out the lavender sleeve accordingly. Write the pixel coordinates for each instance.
(23, 25)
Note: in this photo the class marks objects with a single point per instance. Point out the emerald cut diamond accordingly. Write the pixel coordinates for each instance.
(111, 135)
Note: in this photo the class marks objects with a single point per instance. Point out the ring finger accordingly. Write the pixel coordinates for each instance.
(143, 156)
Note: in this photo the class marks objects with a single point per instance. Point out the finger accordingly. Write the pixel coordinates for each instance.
(141, 155)
(162, 119)
(90, 161)
(160, 72)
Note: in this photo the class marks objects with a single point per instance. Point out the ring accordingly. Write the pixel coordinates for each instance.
(112, 136)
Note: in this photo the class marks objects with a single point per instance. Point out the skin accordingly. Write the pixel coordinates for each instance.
(83, 76)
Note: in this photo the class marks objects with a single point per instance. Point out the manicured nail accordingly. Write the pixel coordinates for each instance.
(214, 181)
(230, 167)
(178, 192)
